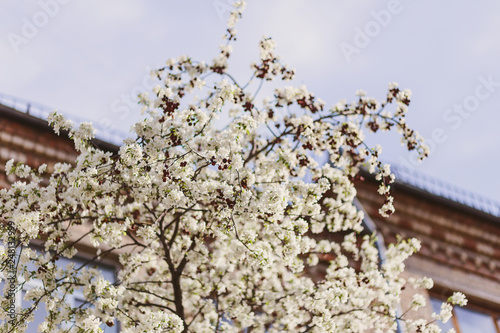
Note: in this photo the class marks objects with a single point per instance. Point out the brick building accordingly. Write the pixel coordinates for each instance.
(31, 140)
(460, 236)
(460, 232)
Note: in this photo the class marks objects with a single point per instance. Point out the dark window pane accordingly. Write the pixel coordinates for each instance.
(40, 313)
(107, 271)
(436, 307)
(79, 301)
(473, 321)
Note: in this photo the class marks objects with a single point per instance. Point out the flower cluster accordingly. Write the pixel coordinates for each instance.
(214, 225)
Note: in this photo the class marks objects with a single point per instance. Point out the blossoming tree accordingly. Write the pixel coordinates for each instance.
(214, 229)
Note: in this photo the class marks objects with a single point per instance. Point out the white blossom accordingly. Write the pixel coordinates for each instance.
(216, 225)
(458, 298)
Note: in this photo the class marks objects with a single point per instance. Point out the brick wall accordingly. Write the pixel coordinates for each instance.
(460, 245)
(29, 140)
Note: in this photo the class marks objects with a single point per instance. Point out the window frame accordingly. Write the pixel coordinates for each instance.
(82, 256)
(473, 304)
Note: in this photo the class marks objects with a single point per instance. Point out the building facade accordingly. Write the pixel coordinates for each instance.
(460, 238)
(32, 141)
(460, 233)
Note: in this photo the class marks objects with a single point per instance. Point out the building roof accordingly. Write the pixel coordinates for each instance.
(37, 113)
(419, 181)
(409, 179)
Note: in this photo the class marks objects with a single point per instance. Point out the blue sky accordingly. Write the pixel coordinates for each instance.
(88, 58)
